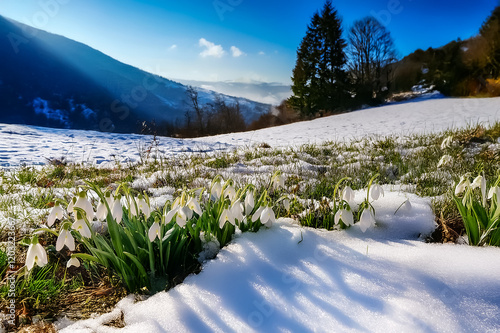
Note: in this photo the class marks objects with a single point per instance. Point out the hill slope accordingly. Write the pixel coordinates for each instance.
(49, 80)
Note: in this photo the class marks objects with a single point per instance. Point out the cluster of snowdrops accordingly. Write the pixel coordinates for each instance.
(146, 247)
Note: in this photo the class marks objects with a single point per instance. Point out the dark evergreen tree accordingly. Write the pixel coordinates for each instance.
(319, 79)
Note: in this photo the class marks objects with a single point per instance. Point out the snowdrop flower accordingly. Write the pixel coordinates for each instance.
(167, 234)
(177, 203)
(56, 213)
(267, 217)
(286, 204)
(445, 160)
(366, 220)
(154, 231)
(65, 238)
(249, 202)
(81, 226)
(71, 205)
(256, 215)
(216, 190)
(278, 181)
(344, 215)
(462, 185)
(495, 190)
(102, 211)
(480, 182)
(237, 210)
(230, 192)
(117, 210)
(447, 142)
(84, 203)
(139, 205)
(170, 214)
(226, 216)
(183, 216)
(376, 191)
(407, 205)
(348, 194)
(36, 255)
(194, 205)
(73, 262)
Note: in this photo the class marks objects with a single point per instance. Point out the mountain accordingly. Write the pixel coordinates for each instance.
(49, 80)
(269, 93)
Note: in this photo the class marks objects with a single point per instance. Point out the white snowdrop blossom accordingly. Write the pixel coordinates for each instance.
(366, 220)
(494, 191)
(462, 185)
(256, 215)
(230, 192)
(194, 205)
(216, 191)
(226, 216)
(267, 217)
(102, 211)
(81, 226)
(84, 203)
(447, 142)
(237, 210)
(56, 213)
(278, 182)
(183, 216)
(376, 191)
(344, 215)
(36, 255)
(480, 182)
(154, 231)
(177, 203)
(348, 194)
(170, 214)
(249, 202)
(286, 204)
(445, 160)
(142, 206)
(71, 205)
(167, 234)
(65, 238)
(117, 210)
(73, 262)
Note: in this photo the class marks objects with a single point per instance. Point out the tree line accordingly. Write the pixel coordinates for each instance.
(332, 74)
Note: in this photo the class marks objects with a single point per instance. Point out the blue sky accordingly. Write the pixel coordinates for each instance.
(238, 40)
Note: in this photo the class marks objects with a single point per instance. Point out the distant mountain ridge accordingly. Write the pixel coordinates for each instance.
(49, 80)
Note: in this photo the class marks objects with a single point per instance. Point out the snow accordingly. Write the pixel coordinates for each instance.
(34, 145)
(294, 279)
(290, 278)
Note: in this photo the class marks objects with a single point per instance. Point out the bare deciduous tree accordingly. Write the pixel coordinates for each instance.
(371, 48)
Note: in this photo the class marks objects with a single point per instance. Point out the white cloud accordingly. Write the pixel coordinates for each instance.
(211, 50)
(173, 47)
(262, 53)
(236, 52)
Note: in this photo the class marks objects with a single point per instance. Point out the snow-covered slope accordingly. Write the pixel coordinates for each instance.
(34, 145)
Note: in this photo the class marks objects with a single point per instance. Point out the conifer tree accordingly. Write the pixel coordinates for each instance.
(319, 79)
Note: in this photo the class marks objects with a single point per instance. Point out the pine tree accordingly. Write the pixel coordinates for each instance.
(319, 77)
